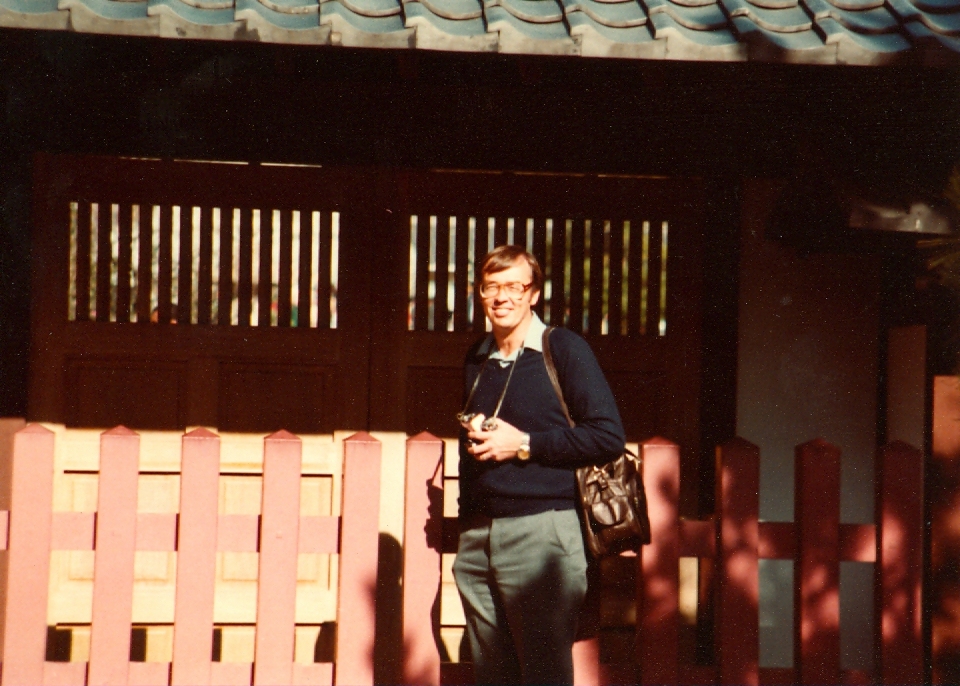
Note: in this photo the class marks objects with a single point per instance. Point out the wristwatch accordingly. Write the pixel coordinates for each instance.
(523, 452)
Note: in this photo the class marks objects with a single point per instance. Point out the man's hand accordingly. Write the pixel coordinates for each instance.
(500, 444)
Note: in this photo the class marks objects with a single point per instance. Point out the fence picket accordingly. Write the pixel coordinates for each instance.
(25, 589)
(901, 564)
(423, 537)
(359, 541)
(116, 541)
(196, 559)
(818, 565)
(738, 501)
(658, 616)
(279, 540)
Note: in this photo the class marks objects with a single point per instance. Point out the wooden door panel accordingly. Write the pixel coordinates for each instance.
(145, 393)
(621, 258)
(263, 396)
(258, 278)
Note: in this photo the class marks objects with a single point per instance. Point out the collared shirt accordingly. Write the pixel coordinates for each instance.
(533, 340)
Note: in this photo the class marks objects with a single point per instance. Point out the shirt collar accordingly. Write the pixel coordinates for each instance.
(533, 340)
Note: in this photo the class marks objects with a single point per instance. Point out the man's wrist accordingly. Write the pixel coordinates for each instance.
(523, 452)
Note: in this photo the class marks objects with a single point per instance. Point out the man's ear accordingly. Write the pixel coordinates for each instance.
(535, 298)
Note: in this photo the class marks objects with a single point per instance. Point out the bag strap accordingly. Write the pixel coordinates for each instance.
(552, 373)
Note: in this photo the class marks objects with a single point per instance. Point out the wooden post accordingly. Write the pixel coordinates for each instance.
(422, 548)
(279, 546)
(196, 559)
(818, 587)
(359, 545)
(900, 564)
(26, 573)
(116, 540)
(586, 662)
(738, 503)
(658, 622)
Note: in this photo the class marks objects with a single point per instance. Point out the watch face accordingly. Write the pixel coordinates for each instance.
(523, 452)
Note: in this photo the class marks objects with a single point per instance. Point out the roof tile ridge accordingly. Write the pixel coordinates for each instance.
(367, 13)
(670, 8)
(433, 7)
(507, 7)
(932, 7)
(855, 5)
(828, 9)
(744, 9)
(584, 6)
(303, 7)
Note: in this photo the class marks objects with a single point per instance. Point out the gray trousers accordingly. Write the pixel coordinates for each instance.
(522, 581)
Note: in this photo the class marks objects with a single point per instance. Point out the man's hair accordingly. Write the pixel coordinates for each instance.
(505, 256)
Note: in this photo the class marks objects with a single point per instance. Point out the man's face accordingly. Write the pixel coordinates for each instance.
(506, 311)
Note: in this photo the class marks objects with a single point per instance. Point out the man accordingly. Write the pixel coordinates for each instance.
(521, 567)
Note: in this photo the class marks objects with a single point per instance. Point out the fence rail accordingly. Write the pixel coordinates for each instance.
(119, 524)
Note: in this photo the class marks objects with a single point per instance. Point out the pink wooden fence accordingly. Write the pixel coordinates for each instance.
(735, 540)
(31, 530)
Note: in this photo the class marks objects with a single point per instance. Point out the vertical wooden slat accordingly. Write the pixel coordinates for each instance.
(277, 581)
(124, 238)
(616, 277)
(440, 312)
(306, 274)
(104, 252)
(423, 537)
(145, 267)
(26, 565)
(359, 534)
(558, 301)
(205, 267)
(901, 564)
(595, 307)
(265, 277)
(226, 287)
(577, 256)
(653, 279)
(83, 261)
(245, 272)
(738, 502)
(460, 286)
(635, 278)
(116, 539)
(540, 252)
(165, 311)
(421, 302)
(658, 626)
(479, 250)
(324, 252)
(196, 559)
(818, 567)
(185, 282)
(285, 278)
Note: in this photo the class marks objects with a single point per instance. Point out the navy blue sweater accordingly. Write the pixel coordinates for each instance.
(546, 482)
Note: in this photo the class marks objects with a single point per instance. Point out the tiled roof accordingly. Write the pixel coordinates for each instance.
(858, 32)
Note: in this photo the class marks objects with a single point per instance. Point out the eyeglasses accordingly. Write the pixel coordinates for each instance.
(513, 289)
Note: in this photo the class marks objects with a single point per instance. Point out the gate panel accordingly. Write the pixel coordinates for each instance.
(172, 293)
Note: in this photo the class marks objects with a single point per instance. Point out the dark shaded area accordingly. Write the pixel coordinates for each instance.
(388, 633)
(65, 92)
(59, 644)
